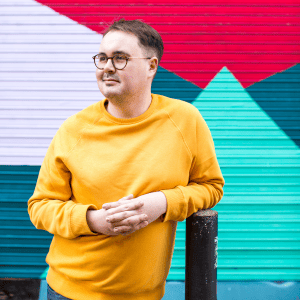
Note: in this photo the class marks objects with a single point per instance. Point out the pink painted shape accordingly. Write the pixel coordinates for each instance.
(253, 39)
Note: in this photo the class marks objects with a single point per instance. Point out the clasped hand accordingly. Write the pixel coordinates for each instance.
(128, 214)
(124, 216)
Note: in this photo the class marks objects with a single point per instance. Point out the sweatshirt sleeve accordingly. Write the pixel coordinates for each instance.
(50, 207)
(205, 187)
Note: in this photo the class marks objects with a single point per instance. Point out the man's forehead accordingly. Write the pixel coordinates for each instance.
(119, 42)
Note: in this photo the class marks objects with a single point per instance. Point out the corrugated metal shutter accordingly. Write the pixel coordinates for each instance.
(40, 86)
(259, 232)
(256, 130)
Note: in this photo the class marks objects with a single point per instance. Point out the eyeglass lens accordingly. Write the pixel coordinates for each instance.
(119, 61)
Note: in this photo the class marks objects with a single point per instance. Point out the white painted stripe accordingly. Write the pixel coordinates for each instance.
(45, 29)
(50, 39)
(18, 3)
(36, 19)
(40, 85)
(43, 50)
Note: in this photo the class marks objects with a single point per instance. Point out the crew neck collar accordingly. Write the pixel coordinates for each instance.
(137, 119)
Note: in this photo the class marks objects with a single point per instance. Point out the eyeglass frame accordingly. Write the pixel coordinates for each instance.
(112, 60)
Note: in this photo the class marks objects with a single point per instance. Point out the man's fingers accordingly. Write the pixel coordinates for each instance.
(131, 224)
(117, 203)
(124, 230)
(142, 225)
(131, 220)
(125, 207)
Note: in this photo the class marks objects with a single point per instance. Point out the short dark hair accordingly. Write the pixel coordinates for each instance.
(148, 38)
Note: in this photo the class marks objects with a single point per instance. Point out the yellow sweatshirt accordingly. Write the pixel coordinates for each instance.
(96, 158)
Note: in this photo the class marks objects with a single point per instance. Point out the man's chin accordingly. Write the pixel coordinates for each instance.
(110, 92)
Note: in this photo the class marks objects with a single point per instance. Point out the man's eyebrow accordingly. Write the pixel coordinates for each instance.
(116, 52)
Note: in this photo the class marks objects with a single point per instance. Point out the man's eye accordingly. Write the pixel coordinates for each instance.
(102, 58)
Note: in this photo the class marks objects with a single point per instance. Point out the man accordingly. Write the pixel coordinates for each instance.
(118, 176)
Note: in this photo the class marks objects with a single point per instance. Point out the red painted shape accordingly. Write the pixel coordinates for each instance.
(253, 39)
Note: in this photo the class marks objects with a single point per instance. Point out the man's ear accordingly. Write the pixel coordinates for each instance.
(153, 63)
(153, 66)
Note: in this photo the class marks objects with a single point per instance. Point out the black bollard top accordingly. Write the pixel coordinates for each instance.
(205, 213)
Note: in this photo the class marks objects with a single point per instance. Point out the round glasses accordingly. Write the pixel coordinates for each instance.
(118, 61)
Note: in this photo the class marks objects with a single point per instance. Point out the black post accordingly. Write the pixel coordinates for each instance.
(201, 255)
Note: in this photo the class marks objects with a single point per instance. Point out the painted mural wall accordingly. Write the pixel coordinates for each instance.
(238, 62)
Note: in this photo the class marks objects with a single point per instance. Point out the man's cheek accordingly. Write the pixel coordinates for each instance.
(129, 77)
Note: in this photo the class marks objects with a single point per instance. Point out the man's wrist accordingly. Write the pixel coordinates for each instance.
(89, 219)
(164, 203)
(96, 220)
(160, 202)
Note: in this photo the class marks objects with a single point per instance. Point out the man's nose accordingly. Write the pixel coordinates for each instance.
(109, 65)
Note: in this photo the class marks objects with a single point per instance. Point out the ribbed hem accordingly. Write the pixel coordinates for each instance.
(78, 290)
(137, 119)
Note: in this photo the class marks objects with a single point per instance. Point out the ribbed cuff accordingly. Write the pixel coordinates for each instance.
(78, 221)
(175, 200)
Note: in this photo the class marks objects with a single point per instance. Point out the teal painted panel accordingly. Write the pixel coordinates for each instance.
(283, 91)
(171, 85)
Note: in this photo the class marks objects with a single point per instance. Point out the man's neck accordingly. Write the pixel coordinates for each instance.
(129, 109)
